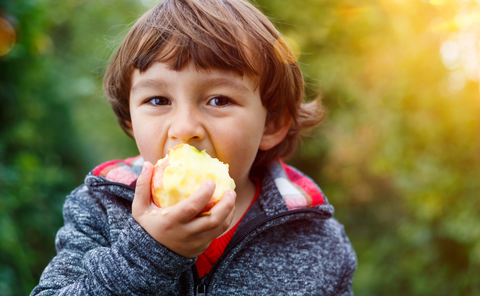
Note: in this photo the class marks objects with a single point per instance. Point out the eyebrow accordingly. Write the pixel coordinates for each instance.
(212, 82)
(217, 82)
(147, 84)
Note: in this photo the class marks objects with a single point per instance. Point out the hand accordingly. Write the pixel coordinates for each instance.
(179, 227)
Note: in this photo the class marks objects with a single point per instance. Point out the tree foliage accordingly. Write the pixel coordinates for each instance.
(398, 155)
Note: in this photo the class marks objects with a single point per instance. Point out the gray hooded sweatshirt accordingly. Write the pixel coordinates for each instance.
(287, 244)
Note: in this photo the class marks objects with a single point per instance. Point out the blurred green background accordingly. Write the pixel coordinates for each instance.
(398, 156)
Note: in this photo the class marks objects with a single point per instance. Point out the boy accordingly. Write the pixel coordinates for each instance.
(214, 74)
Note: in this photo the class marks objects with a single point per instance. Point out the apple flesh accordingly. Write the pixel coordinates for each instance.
(181, 172)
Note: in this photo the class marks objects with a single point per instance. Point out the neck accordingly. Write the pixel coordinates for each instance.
(245, 194)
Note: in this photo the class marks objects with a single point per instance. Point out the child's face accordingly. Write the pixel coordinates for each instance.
(217, 110)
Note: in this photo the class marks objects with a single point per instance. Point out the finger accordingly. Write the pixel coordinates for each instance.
(232, 212)
(221, 215)
(228, 222)
(143, 196)
(189, 208)
(225, 205)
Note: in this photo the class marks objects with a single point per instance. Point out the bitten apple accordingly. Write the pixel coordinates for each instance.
(181, 172)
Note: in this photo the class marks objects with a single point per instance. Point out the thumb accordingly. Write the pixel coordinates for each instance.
(143, 196)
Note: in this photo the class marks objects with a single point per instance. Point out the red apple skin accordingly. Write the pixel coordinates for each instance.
(209, 205)
(157, 179)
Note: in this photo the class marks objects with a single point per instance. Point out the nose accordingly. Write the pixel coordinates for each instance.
(186, 126)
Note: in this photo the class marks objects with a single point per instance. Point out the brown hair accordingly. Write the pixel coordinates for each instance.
(224, 34)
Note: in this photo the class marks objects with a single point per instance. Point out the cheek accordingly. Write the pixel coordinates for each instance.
(242, 147)
(149, 141)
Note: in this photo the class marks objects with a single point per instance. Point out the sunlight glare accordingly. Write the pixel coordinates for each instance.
(460, 49)
(463, 21)
(450, 52)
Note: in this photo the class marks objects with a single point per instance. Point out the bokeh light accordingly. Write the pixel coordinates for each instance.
(460, 50)
(7, 37)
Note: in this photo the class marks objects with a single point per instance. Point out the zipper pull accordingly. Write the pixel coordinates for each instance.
(201, 289)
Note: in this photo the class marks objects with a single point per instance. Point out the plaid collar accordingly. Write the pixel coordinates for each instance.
(297, 190)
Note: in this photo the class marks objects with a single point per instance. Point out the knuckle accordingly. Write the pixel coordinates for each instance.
(141, 184)
(190, 209)
(213, 222)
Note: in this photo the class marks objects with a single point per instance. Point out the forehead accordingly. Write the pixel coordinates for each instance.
(161, 76)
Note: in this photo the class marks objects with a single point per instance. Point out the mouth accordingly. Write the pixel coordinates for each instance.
(209, 151)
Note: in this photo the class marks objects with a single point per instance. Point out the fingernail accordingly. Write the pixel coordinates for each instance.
(144, 169)
(231, 193)
(210, 183)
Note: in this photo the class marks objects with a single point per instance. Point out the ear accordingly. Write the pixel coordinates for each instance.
(275, 131)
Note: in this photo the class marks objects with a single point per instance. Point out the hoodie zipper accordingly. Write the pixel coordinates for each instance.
(201, 289)
(106, 182)
(201, 285)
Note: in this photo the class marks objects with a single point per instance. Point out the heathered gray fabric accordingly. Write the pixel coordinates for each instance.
(101, 250)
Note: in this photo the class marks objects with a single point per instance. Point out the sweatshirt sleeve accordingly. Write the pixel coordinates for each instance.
(86, 264)
(344, 287)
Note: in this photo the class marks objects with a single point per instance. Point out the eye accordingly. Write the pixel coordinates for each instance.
(220, 101)
(159, 101)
